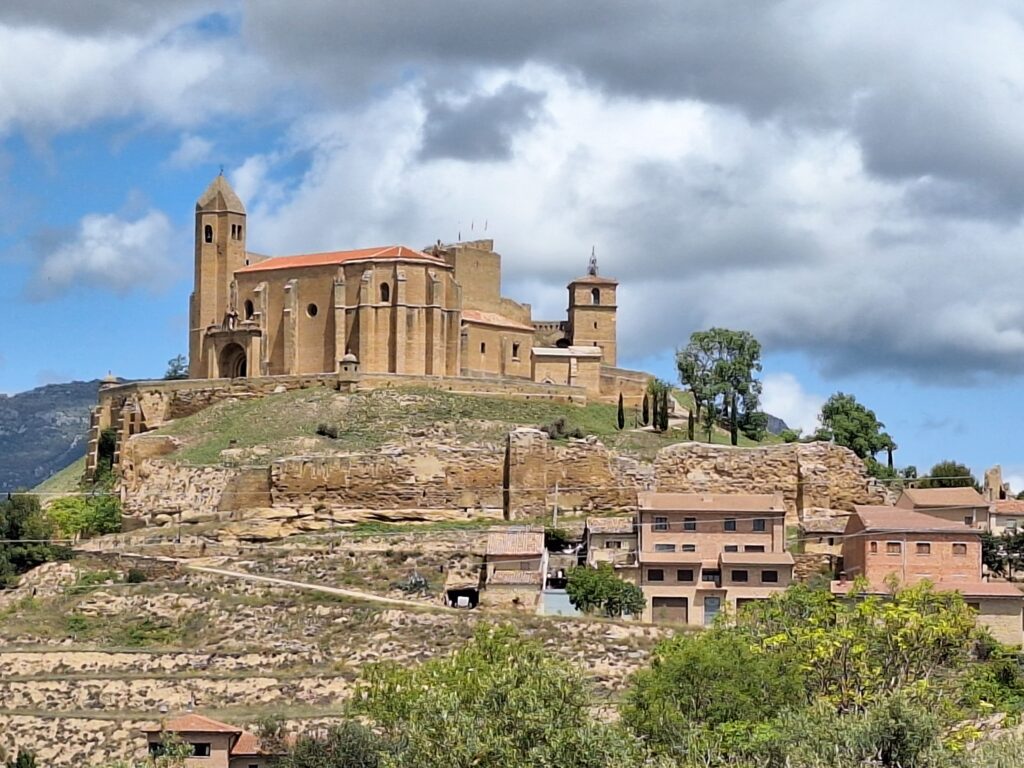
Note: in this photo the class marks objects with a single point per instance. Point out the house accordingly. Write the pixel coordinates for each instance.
(612, 540)
(885, 542)
(701, 553)
(823, 535)
(1007, 516)
(214, 744)
(961, 505)
(515, 562)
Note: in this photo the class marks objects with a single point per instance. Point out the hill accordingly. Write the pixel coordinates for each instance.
(42, 431)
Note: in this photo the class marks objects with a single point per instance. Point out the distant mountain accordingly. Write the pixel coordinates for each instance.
(42, 431)
(776, 426)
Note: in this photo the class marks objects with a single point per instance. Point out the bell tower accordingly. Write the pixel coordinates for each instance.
(592, 311)
(220, 251)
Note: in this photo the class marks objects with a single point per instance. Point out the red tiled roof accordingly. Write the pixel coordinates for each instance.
(515, 542)
(945, 497)
(193, 723)
(493, 318)
(248, 745)
(389, 252)
(711, 502)
(879, 518)
(1010, 507)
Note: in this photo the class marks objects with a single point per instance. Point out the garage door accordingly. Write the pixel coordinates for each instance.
(670, 609)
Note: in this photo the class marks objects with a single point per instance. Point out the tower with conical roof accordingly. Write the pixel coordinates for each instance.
(220, 251)
(592, 310)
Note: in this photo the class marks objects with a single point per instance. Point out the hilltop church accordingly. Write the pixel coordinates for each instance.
(393, 309)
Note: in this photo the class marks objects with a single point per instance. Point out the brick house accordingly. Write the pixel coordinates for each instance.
(612, 540)
(699, 554)
(884, 542)
(961, 505)
(214, 744)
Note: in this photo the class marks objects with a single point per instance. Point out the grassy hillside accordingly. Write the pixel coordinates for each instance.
(287, 423)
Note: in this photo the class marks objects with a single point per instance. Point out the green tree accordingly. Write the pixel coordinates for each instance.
(86, 516)
(720, 362)
(27, 534)
(713, 678)
(949, 474)
(592, 589)
(621, 415)
(658, 391)
(854, 426)
(349, 744)
(177, 368)
(499, 701)
(645, 410)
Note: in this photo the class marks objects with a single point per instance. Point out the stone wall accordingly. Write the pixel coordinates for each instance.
(162, 491)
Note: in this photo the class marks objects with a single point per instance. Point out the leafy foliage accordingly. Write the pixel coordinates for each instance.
(23, 523)
(853, 425)
(592, 589)
(949, 474)
(177, 368)
(85, 516)
(347, 745)
(1003, 554)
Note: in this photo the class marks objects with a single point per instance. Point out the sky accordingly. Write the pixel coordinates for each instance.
(845, 180)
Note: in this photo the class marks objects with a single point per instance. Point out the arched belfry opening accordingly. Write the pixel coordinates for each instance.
(208, 233)
(232, 362)
(595, 295)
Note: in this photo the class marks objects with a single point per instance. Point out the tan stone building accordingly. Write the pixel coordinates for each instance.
(701, 554)
(398, 310)
(515, 563)
(882, 543)
(214, 744)
(612, 540)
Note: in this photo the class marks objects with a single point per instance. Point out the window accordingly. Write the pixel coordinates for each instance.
(759, 525)
(385, 293)
(655, 574)
(873, 547)
(923, 548)
(753, 548)
(208, 233)
(250, 310)
(731, 548)
(689, 523)
(483, 347)
(711, 575)
(234, 231)
(312, 310)
(730, 524)
(664, 547)
(613, 544)
(831, 540)
(769, 577)
(960, 550)
(968, 519)
(515, 350)
(1011, 525)
(201, 749)
(239, 231)
(739, 576)
(661, 523)
(684, 574)
(893, 548)
(595, 325)
(595, 296)
(689, 548)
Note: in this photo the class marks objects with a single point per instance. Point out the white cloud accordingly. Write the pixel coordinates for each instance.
(784, 396)
(191, 151)
(111, 253)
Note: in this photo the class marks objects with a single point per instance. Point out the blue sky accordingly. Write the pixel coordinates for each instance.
(851, 195)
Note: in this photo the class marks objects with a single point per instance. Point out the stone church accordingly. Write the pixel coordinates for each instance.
(390, 309)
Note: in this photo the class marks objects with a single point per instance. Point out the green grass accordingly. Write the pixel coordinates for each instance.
(286, 423)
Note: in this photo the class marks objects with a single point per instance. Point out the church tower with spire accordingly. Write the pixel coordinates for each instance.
(592, 311)
(219, 253)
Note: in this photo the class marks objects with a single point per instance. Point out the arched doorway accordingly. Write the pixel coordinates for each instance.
(232, 362)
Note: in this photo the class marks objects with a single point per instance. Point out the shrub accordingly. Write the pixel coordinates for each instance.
(86, 516)
(135, 576)
(328, 430)
(559, 429)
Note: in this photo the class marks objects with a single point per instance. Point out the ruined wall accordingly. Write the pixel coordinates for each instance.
(807, 475)
(162, 491)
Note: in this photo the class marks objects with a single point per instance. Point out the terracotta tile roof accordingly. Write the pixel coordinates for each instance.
(1009, 507)
(945, 497)
(965, 588)
(610, 524)
(388, 252)
(877, 518)
(835, 524)
(193, 723)
(756, 558)
(504, 576)
(515, 542)
(711, 502)
(248, 745)
(493, 318)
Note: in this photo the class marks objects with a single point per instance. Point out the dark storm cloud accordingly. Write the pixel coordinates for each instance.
(98, 16)
(482, 128)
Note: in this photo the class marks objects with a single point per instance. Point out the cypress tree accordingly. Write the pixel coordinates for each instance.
(622, 414)
(645, 411)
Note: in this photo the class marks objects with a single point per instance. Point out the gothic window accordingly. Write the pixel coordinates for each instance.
(250, 310)
(208, 233)
(595, 296)
(385, 293)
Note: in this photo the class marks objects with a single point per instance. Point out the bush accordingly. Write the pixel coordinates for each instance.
(591, 589)
(327, 430)
(86, 516)
(135, 576)
(559, 429)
